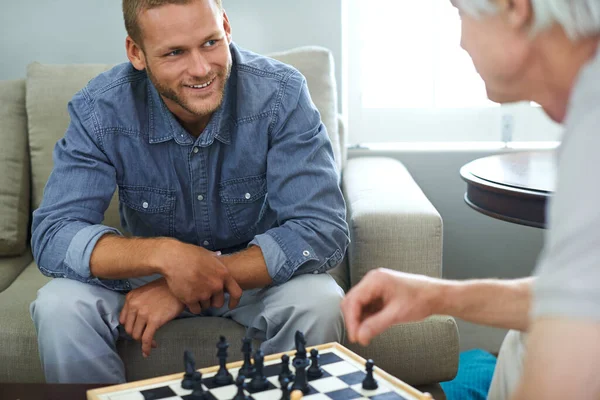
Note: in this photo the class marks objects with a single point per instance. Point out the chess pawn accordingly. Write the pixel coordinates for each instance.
(241, 385)
(314, 371)
(198, 393)
(285, 369)
(285, 388)
(369, 383)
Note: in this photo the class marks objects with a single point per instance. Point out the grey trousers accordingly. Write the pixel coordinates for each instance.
(509, 367)
(78, 324)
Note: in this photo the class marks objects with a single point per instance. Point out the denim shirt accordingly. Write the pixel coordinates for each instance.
(261, 173)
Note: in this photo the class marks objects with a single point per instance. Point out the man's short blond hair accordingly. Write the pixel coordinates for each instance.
(133, 8)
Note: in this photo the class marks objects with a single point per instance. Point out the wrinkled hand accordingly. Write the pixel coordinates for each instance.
(384, 298)
(146, 309)
(198, 277)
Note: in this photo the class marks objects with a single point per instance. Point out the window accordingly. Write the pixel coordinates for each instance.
(408, 80)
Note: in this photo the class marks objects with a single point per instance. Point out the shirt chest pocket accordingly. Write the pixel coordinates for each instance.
(245, 202)
(147, 212)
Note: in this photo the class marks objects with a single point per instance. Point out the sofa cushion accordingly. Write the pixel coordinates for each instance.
(317, 65)
(18, 343)
(14, 164)
(11, 267)
(49, 90)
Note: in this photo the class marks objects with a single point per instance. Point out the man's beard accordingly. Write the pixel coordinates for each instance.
(172, 95)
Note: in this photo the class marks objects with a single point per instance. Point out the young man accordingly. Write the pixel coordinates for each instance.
(544, 51)
(214, 150)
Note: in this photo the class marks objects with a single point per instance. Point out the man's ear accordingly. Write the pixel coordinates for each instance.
(227, 27)
(519, 14)
(135, 54)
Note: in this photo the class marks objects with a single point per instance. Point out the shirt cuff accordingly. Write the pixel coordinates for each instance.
(81, 247)
(279, 266)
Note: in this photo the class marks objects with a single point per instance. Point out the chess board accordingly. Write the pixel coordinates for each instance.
(343, 370)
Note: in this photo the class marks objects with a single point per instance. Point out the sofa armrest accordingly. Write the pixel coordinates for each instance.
(392, 223)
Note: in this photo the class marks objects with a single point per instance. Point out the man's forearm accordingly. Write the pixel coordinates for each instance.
(248, 268)
(116, 257)
(499, 303)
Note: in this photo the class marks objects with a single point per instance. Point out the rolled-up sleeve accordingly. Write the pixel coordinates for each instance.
(303, 190)
(67, 224)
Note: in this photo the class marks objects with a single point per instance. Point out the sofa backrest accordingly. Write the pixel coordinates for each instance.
(14, 169)
(50, 88)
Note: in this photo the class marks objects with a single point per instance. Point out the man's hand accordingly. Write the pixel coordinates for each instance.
(146, 309)
(384, 298)
(198, 277)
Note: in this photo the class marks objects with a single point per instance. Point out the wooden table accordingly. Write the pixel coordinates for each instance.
(513, 187)
(43, 391)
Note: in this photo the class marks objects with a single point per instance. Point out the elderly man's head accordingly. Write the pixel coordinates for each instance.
(519, 46)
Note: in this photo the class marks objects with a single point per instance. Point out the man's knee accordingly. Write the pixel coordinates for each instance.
(65, 300)
(317, 295)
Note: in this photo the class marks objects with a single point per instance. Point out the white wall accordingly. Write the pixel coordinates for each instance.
(92, 31)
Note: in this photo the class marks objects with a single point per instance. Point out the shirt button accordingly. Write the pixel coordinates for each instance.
(200, 197)
(145, 204)
(206, 243)
(196, 150)
(306, 253)
(247, 196)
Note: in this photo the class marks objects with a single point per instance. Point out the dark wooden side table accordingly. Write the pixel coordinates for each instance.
(513, 187)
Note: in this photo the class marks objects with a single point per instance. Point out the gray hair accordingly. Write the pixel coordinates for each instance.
(579, 18)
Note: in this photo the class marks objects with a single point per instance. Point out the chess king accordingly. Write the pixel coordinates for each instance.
(227, 185)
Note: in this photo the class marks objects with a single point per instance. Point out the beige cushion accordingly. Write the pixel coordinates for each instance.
(317, 65)
(11, 267)
(14, 169)
(49, 90)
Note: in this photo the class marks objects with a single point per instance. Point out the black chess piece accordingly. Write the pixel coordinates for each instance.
(285, 388)
(259, 381)
(300, 345)
(314, 371)
(223, 377)
(301, 381)
(240, 382)
(198, 393)
(369, 383)
(190, 367)
(247, 368)
(285, 369)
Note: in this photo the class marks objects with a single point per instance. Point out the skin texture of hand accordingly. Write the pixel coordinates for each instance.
(146, 309)
(384, 298)
(198, 277)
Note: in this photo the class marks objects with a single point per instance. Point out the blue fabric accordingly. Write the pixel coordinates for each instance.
(475, 372)
(261, 173)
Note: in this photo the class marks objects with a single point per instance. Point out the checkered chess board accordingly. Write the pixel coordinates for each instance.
(344, 372)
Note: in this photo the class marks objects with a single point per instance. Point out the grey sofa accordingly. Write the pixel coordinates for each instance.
(392, 224)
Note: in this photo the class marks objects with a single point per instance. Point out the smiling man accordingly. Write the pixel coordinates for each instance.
(226, 182)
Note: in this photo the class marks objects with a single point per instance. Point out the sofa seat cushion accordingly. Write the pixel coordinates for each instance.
(18, 341)
(14, 164)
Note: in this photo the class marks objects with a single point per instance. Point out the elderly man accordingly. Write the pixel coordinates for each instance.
(214, 150)
(544, 51)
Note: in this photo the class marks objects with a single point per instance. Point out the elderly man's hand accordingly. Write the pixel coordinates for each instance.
(146, 309)
(384, 298)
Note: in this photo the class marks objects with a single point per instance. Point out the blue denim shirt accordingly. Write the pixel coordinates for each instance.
(261, 173)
